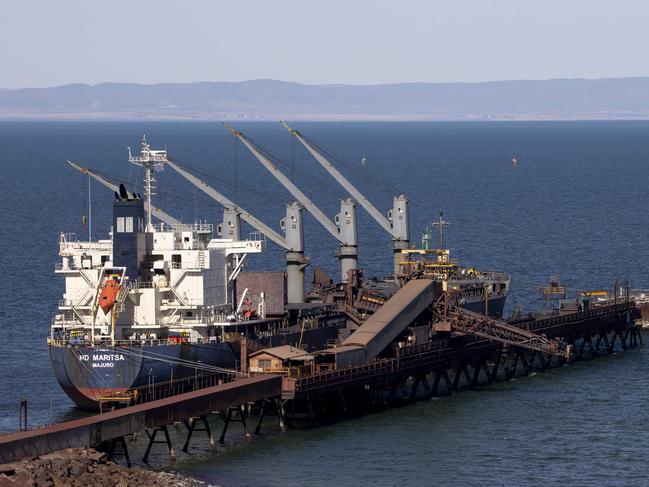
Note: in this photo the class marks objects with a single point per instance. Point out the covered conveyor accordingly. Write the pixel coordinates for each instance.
(384, 326)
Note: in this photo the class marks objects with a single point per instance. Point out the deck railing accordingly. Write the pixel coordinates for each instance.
(160, 390)
(105, 342)
(593, 312)
(154, 391)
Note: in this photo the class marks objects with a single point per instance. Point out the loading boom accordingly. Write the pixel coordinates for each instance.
(467, 322)
(293, 243)
(397, 221)
(226, 202)
(343, 230)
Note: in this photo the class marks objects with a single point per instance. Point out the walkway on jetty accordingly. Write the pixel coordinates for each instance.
(157, 415)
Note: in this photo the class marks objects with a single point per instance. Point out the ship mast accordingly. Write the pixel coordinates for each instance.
(149, 160)
(442, 224)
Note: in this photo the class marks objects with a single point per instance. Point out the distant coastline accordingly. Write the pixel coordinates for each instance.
(265, 100)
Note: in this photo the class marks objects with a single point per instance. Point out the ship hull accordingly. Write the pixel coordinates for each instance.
(495, 306)
(88, 375)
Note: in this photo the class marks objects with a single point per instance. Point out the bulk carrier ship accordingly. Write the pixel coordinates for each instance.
(158, 302)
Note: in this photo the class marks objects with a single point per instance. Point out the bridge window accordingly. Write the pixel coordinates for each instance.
(124, 224)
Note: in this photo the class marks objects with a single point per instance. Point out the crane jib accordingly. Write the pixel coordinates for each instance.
(310, 206)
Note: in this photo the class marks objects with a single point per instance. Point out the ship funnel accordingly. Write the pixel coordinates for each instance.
(129, 244)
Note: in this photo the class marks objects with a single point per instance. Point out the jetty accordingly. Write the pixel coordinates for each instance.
(432, 328)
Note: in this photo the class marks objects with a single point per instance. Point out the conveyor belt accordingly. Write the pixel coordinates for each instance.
(381, 329)
(464, 321)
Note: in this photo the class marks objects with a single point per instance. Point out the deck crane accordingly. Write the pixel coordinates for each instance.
(396, 223)
(157, 212)
(293, 242)
(343, 228)
(231, 228)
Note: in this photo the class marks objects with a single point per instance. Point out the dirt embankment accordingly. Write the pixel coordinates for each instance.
(84, 467)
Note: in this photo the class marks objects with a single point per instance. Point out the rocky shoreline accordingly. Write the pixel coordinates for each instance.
(84, 467)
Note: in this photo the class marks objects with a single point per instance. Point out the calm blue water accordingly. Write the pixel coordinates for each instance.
(576, 207)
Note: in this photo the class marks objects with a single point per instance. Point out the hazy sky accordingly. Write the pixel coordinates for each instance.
(48, 42)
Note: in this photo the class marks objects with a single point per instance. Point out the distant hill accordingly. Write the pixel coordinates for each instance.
(626, 98)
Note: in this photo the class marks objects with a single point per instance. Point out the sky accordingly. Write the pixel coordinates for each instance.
(49, 43)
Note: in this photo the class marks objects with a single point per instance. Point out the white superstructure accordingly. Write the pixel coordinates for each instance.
(165, 279)
(189, 283)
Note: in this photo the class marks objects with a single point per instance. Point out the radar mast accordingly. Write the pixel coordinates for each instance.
(150, 160)
(442, 224)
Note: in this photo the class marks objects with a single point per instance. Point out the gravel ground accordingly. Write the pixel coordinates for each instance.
(84, 467)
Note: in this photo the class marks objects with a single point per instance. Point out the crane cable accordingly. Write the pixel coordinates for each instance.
(179, 361)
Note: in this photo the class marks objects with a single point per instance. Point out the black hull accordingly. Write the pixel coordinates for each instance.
(88, 375)
(495, 306)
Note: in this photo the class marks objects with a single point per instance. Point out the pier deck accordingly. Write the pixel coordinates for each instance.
(94, 430)
(473, 359)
